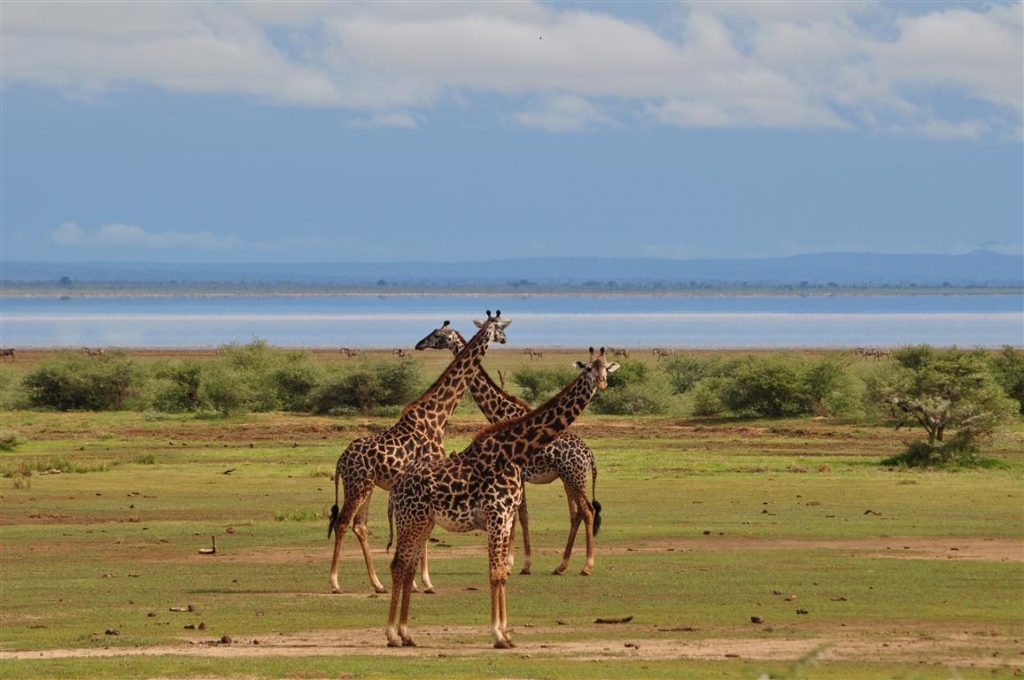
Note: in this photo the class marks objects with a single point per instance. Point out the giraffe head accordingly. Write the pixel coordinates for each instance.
(598, 368)
(495, 326)
(444, 337)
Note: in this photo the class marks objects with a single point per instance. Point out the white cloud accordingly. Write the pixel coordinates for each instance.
(565, 113)
(384, 120)
(68, 234)
(130, 236)
(893, 68)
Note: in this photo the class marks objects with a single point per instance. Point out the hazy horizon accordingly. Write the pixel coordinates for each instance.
(156, 261)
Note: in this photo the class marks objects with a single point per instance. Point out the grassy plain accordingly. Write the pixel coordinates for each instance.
(902, 574)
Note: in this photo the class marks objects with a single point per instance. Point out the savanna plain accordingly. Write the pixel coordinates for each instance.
(733, 548)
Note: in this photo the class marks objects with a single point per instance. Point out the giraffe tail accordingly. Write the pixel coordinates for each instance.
(333, 520)
(593, 493)
(391, 525)
(334, 508)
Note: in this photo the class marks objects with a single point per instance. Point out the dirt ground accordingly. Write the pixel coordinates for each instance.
(993, 549)
(973, 647)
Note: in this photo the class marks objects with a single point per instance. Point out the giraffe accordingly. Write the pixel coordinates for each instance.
(479, 488)
(377, 460)
(567, 458)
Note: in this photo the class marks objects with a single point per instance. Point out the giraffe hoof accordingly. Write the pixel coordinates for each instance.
(394, 643)
(558, 571)
(377, 589)
(502, 644)
(585, 572)
(525, 571)
(408, 642)
(336, 591)
(430, 591)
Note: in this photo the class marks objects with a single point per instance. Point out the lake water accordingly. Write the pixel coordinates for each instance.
(539, 320)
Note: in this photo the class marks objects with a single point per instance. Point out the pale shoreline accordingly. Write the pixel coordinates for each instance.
(765, 292)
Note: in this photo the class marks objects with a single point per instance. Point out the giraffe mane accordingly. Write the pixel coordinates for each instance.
(487, 376)
(494, 427)
(426, 394)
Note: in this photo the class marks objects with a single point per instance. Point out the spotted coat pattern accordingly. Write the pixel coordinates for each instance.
(567, 458)
(478, 488)
(377, 460)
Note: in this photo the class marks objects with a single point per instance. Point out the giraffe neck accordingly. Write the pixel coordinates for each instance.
(496, 404)
(521, 439)
(433, 408)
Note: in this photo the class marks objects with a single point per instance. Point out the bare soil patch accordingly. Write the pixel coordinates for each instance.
(975, 648)
(988, 549)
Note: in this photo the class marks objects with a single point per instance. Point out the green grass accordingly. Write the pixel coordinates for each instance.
(703, 524)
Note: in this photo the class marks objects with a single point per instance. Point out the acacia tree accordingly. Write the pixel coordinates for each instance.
(951, 394)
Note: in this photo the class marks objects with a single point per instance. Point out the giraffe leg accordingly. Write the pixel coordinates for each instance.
(587, 511)
(499, 637)
(428, 587)
(397, 589)
(524, 519)
(512, 545)
(355, 496)
(418, 547)
(403, 622)
(574, 525)
(497, 553)
(359, 529)
(503, 613)
(403, 568)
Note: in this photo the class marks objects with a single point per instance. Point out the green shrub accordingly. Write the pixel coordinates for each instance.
(685, 371)
(11, 394)
(949, 454)
(364, 389)
(1008, 367)
(226, 391)
(634, 390)
(176, 387)
(830, 389)
(10, 440)
(768, 388)
(72, 381)
(251, 366)
(399, 381)
(294, 382)
(266, 379)
(706, 396)
(634, 399)
(537, 385)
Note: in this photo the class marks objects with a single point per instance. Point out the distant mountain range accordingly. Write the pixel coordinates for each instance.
(979, 268)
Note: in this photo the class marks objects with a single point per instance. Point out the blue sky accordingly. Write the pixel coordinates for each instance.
(199, 132)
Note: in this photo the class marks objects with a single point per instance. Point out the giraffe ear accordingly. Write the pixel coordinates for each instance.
(581, 365)
(478, 324)
(612, 367)
(503, 324)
